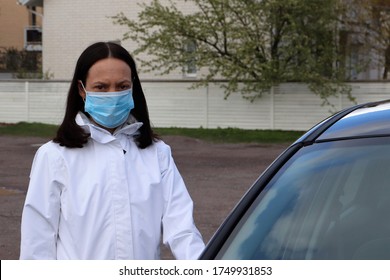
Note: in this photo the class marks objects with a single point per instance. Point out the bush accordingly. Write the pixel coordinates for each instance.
(20, 61)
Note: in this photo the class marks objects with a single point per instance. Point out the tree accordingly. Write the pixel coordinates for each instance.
(380, 10)
(253, 44)
(366, 26)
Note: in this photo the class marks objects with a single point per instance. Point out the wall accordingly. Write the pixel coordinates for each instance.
(13, 20)
(70, 26)
(172, 104)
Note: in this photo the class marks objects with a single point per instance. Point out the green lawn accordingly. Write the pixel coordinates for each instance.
(228, 135)
(28, 129)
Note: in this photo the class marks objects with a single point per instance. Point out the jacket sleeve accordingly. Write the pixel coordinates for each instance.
(41, 211)
(179, 230)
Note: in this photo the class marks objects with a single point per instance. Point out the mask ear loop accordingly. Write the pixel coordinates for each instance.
(83, 89)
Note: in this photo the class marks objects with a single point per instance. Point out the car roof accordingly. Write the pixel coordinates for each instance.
(365, 120)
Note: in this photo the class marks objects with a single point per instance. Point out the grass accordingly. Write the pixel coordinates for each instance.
(218, 135)
(28, 129)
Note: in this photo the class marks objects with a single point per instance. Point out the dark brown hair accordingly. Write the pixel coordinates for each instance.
(70, 134)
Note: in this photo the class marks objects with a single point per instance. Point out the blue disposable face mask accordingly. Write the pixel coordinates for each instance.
(109, 109)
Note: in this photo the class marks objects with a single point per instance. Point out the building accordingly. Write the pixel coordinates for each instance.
(20, 29)
(69, 26)
(16, 24)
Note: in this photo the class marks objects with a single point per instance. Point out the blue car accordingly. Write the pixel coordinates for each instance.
(325, 197)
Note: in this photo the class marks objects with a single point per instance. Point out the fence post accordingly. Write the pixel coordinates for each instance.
(340, 101)
(26, 90)
(272, 108)
(207, 105)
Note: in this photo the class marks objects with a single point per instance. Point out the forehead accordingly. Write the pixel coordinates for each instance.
(109, 69)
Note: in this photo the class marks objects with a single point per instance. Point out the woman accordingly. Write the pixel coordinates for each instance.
(106, 187)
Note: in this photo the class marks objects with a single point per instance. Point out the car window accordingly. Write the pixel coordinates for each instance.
(329, 201)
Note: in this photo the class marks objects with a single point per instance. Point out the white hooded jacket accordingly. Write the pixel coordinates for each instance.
(107, 200)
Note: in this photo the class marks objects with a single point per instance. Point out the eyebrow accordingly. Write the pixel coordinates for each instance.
(117, 83)
(125, 81)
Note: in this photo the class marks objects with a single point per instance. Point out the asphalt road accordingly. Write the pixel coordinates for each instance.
(217, 175)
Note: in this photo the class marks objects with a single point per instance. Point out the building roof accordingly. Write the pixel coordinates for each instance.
(32, 3)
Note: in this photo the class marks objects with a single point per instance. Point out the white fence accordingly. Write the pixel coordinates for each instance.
(289, 106)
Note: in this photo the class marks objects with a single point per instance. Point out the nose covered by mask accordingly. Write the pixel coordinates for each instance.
(109, 109)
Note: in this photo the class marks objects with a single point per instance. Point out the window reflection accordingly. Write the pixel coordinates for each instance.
(330, 201)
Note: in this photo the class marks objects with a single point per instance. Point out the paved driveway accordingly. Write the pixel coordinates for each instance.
(217, 175)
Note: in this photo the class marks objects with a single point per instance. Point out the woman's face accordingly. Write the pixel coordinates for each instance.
(107, 75)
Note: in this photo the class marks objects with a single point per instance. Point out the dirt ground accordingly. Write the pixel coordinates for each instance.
(217, 175)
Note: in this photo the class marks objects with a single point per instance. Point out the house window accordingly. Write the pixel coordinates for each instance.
(190, 64)
(354, 62)
(33, 38)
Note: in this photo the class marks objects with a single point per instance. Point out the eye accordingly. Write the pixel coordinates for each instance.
(99, 87)
(124, 86)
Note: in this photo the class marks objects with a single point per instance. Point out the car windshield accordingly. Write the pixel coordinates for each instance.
(329, 201)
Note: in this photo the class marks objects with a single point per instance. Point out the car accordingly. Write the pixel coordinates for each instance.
(326, 197)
